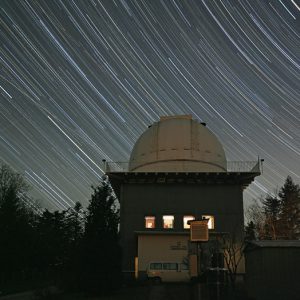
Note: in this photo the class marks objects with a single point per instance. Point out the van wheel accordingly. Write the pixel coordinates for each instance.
(157, 280)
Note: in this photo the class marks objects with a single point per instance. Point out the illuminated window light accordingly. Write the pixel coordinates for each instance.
(185, 221)
(168, 222)
(149, 222)
(211, 221)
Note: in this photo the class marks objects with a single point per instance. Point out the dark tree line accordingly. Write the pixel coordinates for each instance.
(76, 249)
(276, 216)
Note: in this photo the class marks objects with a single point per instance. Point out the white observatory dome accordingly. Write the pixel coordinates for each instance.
(177, 144)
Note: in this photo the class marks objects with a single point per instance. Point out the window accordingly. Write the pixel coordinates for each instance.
(170, 266)
(185, 221)
(155, 266)
(149, 222)
(168, 222)
(211, 221)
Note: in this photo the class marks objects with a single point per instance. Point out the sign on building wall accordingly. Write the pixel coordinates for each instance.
(179, 245)
(199, 231)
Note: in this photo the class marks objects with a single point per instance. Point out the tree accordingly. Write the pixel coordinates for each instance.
(271, 208)
(71, 247)
(101, 269)
(233, 245)
(227, 250)
(255, 215)
(16, 227)
(11, 181)
(250, 234)
(74, 226)
(59, 237)
(289, 197)
(52, 241)
(278, 216)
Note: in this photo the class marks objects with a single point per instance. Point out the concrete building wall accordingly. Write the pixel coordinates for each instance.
(273, 273)
(224, 202)
(162, 248)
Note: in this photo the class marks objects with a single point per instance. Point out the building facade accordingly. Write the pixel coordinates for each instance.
(272, 269)
(177, 172)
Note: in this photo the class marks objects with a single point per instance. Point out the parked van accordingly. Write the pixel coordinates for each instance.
(168, 271)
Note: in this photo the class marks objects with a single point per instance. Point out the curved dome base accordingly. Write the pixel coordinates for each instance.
(179, 166)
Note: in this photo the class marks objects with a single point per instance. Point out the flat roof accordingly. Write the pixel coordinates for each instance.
(267, 244)
(273, 244)
(171, 232)
(197, 178)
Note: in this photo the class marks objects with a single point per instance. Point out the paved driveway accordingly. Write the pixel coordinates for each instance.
(19, 296)
(170, 292)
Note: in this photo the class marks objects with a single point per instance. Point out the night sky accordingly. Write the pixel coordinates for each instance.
(81, 80)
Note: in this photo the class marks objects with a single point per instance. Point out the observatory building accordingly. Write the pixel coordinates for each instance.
(177, 172)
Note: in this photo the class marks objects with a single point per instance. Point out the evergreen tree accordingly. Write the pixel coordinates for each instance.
(271, 209)
(75, 224)
(59, 235)
(289, 197)
(51, 244)
(16, 228)
(101, 268)
(278, 217)
(74, 231)
(250, 231)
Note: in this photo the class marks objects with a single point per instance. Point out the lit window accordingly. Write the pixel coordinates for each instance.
(211, 221)
(185, 221)
(149, 222)
(168, 221)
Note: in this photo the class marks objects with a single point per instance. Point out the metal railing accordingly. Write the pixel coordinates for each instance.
(231, 166)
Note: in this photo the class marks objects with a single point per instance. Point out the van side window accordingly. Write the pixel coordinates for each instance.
(155, 266)
(170, 266)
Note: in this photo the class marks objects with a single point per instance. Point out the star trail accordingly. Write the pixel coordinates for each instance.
(81, 80)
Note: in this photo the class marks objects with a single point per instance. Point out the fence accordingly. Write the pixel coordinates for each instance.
(232, 166)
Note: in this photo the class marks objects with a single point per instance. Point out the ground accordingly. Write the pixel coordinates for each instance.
(174, 291)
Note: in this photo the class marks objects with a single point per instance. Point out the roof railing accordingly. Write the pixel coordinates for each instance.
(231, 166)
